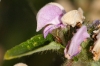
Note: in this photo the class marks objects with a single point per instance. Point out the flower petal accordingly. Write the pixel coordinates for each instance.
(96, 50)
(73, 17)
(49, 14)
(77, 39)
(49, 28)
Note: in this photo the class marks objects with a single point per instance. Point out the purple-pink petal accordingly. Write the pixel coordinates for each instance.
(78, 38)
(49, 28)
(49, 14)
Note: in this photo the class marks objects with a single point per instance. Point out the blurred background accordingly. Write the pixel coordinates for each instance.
(18, 23)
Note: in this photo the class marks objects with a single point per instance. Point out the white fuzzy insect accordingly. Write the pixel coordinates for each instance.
(73, 17)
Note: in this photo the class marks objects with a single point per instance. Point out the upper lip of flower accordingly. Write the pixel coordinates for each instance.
(49, 17)
(49, 14)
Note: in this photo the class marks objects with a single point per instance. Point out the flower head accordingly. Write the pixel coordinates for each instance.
(49, 17)
(73, 48)
(73, 17)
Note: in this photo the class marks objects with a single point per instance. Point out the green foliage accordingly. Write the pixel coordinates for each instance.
(36, 44)
(31, 44)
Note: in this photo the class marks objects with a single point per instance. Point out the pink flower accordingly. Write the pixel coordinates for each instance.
(49, 17)
(73, 47)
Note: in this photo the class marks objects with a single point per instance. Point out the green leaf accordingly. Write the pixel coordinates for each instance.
(33, 45)
(27, 46)
(95, 63)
